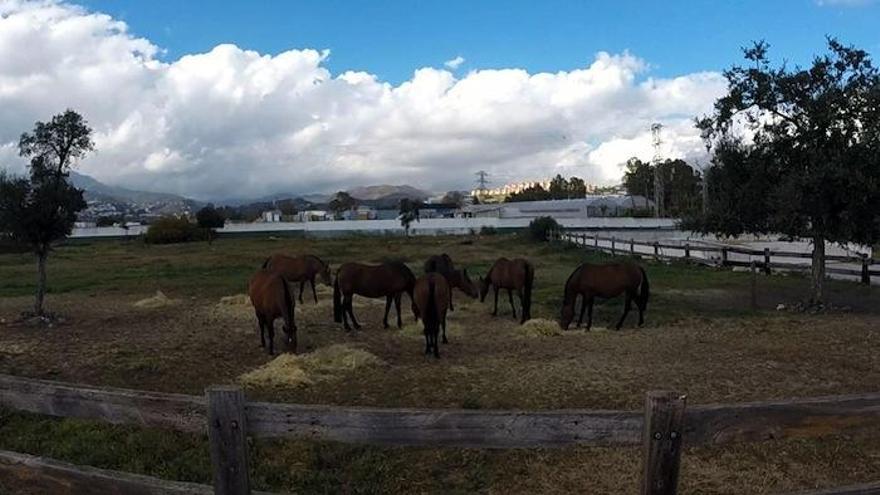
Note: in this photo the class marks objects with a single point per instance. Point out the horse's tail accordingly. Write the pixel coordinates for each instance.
(337, 301)
(644, 291)
(429, 316)
(527, 292)
(266, 263)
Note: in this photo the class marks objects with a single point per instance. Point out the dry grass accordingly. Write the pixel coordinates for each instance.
(159, 300)
(540, 327)
(294, 371)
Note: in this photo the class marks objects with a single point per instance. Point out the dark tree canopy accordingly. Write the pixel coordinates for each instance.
(209, 217)
(409, 212)
(797, 151)
(560, 188)
(681, 184)
(341, 203)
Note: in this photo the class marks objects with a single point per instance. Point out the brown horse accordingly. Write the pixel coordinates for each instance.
(429, 301)
(514, 275)
(388, 280)
(300, 269)
(443, 265)
(605, 281)
(270, 296)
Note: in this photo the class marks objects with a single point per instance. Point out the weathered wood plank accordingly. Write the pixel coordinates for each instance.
(27, 474)
(113, 405)
(772, 420)
(661, 444)
(227, 433)
(446, 428)
(863, 489)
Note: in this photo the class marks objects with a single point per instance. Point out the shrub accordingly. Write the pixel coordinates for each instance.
(488, 230)
(541, 227)
(169, 230)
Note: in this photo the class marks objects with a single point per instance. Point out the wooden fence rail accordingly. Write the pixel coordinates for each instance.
(227, 418)
(864, 272)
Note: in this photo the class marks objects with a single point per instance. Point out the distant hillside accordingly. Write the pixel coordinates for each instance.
(386, 192)
(98, 191)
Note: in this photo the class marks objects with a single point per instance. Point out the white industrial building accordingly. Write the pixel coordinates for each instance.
(590, 206)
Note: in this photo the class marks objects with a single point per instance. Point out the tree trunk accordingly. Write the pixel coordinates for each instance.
(818, 270)
(42, 258)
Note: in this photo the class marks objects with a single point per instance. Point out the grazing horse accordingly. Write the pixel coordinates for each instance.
(270, 295)
(300, 269)
(443, 265)
(605, 281)
(514, 275)
(429, 301)
(388, 280)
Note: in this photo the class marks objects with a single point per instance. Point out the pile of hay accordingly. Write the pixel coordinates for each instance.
(416, 329)
(236, 307)
(540, 327)
(160, 300)
(236, 300)
(324, 364)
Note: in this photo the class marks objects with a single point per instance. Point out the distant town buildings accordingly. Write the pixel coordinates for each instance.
(498, 194)
(591, 206)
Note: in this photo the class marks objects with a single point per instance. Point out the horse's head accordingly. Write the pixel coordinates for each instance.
(567, 316)
(325, 274)
(484, 288)
(467, 285)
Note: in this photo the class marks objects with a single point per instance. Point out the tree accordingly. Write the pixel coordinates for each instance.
(409, 211)
(453, 198)
(577, 188)
(341, 203)
(681, 184)
(41, 210)
(808, 162)
(531, 193)
(209, 218)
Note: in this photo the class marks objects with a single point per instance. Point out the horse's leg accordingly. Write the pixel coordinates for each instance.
(397, 308)
(626, 306)
(583, 308)
(495, 291)
(589, 303)
(350, 306)
(315, 294)
(345, 312)
(387, 309)
(443, 326)
(271, 337)
(302, 286)
(262, 325)
(436, 345)
(522, 311)
(451, 308)
(510, 298)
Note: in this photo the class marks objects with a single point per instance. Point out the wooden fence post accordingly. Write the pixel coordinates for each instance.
(661, 442)
(596, 240)
(866, 270)
(767, 261)
(656, 250)
(754, 285)
(612, 246)
(724, 256)
(227, 434)
(632, 246)
(687, 251)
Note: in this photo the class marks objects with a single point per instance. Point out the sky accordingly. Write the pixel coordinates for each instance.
(229, 99)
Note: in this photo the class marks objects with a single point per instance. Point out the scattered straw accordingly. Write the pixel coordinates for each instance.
(160, 300)
(416, 329)
(540, 327)
(324, 364)
(236, 300)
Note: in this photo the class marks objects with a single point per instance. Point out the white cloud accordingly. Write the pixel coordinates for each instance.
(233, 122)
(454, 63)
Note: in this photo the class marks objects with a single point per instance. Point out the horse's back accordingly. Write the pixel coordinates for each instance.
(267, 292)
(608, 280)
(510, 274)
(421, 292)
(375, 280)
(293, 268)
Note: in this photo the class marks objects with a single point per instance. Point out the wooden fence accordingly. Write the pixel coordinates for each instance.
(720, 256)
(662, 428)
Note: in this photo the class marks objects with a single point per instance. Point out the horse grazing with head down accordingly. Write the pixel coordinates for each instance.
(300, 269)
(388, 280)
(443, 265)
(606, 281)
(514, 275)
(270, 296)
(429, 302)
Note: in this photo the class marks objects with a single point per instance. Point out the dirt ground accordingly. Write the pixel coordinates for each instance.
(701, 339)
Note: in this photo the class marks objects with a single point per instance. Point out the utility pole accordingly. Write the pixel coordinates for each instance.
(482, 180)
(658, 179)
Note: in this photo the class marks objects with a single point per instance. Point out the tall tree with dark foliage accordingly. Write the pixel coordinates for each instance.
(797, 151)
(41, 209)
